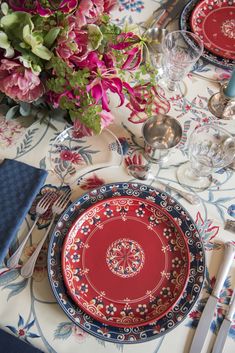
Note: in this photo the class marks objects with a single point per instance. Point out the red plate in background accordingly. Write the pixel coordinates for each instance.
(214, 22)
(125, 261)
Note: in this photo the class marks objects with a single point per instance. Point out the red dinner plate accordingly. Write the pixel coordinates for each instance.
(125, 261)
(214, 22)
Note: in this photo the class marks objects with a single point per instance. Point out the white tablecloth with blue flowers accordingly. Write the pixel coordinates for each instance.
(28, 307)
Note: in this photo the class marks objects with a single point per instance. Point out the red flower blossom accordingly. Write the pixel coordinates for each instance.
(66, 155)
(92, 182)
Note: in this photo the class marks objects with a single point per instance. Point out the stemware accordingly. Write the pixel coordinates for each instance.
(210, 148)
(161, 134)
(181, 49)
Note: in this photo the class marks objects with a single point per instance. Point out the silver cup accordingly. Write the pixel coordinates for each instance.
(161, 134)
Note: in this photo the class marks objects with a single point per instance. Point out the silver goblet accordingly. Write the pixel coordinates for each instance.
(161, 134)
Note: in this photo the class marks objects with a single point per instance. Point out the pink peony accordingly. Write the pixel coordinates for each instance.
(89, 11)
(109, 5)
(19, 83)
(73, 47)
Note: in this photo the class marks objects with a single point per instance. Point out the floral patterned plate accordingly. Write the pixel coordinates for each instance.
(72, 155)
(185, 24)
(214, 22)
(179, 310)
(125, 261)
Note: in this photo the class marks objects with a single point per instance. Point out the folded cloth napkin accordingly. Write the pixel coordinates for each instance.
(12, 344)
(19, 184)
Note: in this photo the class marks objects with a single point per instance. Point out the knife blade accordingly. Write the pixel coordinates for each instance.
(224, 328)
(208, 312)
(172, 9)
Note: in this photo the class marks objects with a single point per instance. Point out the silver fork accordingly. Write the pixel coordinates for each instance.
(41, 208)
(57, 208)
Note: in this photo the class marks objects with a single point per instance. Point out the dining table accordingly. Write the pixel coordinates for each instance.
(34, 309)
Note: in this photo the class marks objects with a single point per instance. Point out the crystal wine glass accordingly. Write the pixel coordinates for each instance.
(181, 50)
(210, 148)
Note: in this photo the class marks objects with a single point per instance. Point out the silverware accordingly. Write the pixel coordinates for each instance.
(172, 7)
(208, 312)
(158, 16)
(41, 208)
(219, 82)
(57, 208)
(224, 328)
(143, 172)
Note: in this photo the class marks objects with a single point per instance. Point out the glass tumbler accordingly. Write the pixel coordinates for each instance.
(210, 148)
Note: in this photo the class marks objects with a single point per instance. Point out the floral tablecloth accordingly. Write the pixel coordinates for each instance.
(28, 308)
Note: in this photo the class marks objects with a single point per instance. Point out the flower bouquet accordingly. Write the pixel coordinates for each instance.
(65, 58)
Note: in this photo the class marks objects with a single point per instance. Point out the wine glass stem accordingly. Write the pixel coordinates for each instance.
(171, 85)
(194, 173)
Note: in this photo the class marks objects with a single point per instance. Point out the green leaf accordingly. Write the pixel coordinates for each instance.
(51, 36)
(14, 23)
(29, 62)
(12, 112)
(90, 117)
(42, 52)
(95, 36)
(30, 38)
(4, 8)
(4, 42)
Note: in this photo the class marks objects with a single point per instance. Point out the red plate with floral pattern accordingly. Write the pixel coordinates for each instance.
(214, 22)
(125, 261)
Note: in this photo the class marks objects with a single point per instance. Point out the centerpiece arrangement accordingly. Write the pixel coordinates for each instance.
(66, 57)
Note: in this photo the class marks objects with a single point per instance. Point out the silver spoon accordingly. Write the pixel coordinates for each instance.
(143, 172)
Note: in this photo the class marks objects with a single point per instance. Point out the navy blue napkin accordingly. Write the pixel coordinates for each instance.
(12, 344)
(19, 185)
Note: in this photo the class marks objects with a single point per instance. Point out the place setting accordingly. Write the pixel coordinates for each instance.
(97, 284)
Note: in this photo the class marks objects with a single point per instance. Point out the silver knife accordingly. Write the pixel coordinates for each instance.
(208, 312)
(172, 9)
(224, 328)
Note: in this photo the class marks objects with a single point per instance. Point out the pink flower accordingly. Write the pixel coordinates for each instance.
(92, 62)
(134, 53)
(54, 98)
(141, 97)
(89, 11)
(109, 5)
(104, 79)
(72, 46)
(19, 83)
(35, 7)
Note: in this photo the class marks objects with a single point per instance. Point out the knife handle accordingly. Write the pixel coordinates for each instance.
(231, 309)
(229, 252)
